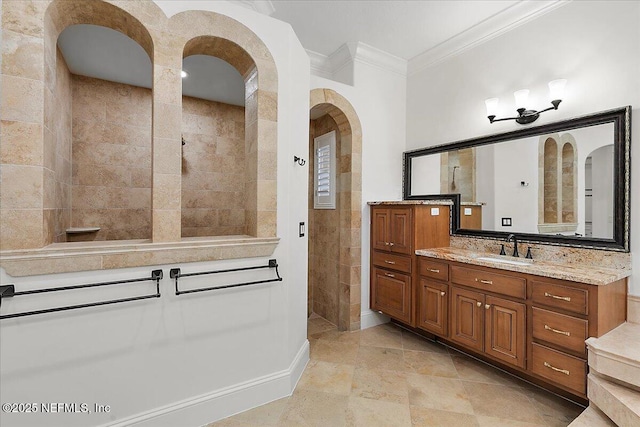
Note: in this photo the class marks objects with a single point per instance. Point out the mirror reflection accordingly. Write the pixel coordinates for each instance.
(560, 183)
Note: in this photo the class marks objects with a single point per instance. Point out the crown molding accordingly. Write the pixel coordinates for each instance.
(320, 64)
(265, 7)
(365, 54)
(492, 27)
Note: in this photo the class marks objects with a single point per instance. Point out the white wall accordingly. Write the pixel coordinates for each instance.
(593, 44)
(185, 360)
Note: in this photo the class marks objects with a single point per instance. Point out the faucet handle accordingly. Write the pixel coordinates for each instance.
(502, 252)
(529, 253)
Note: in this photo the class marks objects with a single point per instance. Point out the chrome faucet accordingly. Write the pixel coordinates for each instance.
(515, 244)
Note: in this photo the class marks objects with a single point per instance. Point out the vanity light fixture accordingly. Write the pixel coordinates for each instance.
(184, 74)
(556, 93)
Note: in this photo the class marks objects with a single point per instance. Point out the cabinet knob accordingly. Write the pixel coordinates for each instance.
(487, 306)
(386, 243)
(442, 293)
(391, 244)
(479, 304)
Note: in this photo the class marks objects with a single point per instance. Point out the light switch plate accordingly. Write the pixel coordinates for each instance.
(506, 222)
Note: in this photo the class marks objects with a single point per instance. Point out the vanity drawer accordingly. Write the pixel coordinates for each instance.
(563, 297)
(434, 269)
(566, 331)
(393, 262)
(491, 282)
(560, 368)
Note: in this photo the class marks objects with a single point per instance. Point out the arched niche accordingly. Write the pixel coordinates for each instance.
(341, 114)
(208, 33)
(557, 184)
(550, 187)
(97, 132)
(214, 172)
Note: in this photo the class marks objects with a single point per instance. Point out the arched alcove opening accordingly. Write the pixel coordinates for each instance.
(213, 190)
(97, 127)
(568, 184)
(251, 197)
(558, 184)
(334, 234)
(550, 187)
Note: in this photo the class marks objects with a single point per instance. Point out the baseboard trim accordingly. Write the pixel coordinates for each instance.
(209, 407)
(370, 318)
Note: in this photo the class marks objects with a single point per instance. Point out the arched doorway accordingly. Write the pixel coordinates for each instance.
(335, 234)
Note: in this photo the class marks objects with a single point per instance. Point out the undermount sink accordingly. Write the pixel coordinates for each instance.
(505, 260)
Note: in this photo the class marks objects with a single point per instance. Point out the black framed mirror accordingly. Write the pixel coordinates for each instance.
(564, 183)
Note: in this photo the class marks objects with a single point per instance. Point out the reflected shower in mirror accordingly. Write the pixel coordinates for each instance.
(565, 182)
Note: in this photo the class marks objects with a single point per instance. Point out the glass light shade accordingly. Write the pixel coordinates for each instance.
(521, 98)
(556, 89)
(492, 106)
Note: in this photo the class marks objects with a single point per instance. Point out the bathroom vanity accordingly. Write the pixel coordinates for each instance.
(530, 317)
(533, 316)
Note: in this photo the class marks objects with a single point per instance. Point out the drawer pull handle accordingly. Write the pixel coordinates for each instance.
(389, 275)
(479, 304)
(550, 366)
(486, 282)
(549, 328)
(386, 243)
(433, 270)
(389, 262)
(442, 293)
(547, 294)
(487, 306)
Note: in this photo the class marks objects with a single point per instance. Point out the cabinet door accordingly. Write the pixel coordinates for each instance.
(467, 313)
(391, 294)
(380, 229)
(433, 307)
(401, 232)
(505, 333)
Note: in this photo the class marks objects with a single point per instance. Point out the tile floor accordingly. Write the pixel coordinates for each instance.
(385, 376)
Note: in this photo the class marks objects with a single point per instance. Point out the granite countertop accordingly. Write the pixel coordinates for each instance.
(472, 203)
(589, 274)
(444, 202)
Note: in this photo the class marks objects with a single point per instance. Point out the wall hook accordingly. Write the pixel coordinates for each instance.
(299, 160)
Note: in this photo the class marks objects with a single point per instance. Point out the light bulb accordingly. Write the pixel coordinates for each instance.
(492, 106)
(556, 89)
(521, 98)
(184, 74)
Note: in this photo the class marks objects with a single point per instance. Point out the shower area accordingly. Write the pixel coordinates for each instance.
(458, 173)
(99, 151)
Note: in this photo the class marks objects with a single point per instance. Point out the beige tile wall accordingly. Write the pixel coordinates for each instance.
(30, 30)
(213, 168)
(111, 159)
(324, 236)
(57, 153)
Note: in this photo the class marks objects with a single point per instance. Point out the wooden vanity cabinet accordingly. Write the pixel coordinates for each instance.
(396, 232)
(433, 297)
(563, 315)
(533, 324)
(487, 322)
